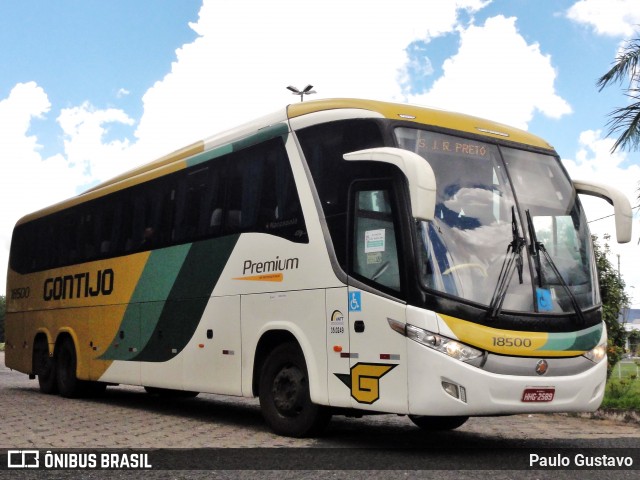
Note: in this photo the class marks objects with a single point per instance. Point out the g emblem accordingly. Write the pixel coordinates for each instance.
(364, 381)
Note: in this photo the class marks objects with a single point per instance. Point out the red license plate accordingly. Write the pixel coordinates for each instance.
(544, 394)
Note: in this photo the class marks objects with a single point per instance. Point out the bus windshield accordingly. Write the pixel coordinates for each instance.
(508, 230)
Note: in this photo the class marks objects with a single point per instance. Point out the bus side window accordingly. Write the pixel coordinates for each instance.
(261, 194)
(375, 251)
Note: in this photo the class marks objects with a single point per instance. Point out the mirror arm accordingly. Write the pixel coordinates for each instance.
(418, 172)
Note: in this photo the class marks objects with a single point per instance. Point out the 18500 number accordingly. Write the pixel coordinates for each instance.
(511, 342)
(20, 293)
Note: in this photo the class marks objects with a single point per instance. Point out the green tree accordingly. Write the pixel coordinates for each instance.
(625, 121)
(614, 300)
(634, 342)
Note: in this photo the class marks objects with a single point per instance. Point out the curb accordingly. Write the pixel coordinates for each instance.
(624, 416)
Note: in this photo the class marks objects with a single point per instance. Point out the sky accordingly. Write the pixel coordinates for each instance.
(90, 89)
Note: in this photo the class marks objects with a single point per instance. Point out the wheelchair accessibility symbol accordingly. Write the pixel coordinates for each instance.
(545, 302)
(355, 302)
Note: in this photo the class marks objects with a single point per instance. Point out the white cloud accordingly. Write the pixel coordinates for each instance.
(496, 74)
(245, 55)
(86, 150)
(247, 52)
(28, 182)
(122, 92)
(615, 18)
(594, 161)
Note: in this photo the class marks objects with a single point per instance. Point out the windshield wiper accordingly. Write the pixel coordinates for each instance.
(512, 260)
(534, 249)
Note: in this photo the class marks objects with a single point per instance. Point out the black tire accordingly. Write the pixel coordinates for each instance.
(437, 423)
(171, 393)
(44, 367)
(284, 395)
(68, 384)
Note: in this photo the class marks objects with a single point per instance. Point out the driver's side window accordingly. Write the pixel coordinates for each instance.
(375, 252)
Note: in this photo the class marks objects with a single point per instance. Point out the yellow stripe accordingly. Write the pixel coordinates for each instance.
(164, 166)
(504, 342)
(92, 328)
(426, 116)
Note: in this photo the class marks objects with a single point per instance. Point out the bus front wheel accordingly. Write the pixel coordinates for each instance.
(284, 395)
(437, 423)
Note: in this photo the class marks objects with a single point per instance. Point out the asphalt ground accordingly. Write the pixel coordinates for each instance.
(214, 436)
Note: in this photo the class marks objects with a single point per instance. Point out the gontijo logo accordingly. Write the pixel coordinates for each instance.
(364, 380)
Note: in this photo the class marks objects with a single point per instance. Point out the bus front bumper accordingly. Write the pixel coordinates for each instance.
(442, 386)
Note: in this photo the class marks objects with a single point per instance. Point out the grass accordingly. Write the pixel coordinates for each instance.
(623, 388)
(626, 369)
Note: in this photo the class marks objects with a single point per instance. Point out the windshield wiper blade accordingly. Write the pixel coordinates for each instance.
(512, 260)
(535, 248)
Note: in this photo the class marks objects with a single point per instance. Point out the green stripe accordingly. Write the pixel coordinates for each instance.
(153, 287)
(209, 155)
(262, 135)
(188, 298)
(584, 340)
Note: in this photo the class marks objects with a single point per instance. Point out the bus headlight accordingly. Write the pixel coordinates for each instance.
(448, 346)
(597, 354)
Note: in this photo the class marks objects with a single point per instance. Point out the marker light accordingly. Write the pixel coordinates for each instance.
(453, 348)
(597, 354)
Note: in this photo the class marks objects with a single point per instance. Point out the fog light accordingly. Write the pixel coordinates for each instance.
(456, 391)
(451, 389)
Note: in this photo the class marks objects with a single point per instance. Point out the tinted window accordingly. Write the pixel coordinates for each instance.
(375, 251)
(251, 190)
(323, 147)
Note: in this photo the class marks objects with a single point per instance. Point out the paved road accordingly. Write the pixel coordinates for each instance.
(129, 418)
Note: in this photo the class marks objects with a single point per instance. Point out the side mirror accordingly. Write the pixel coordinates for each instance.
(419, 174)
(620, 202)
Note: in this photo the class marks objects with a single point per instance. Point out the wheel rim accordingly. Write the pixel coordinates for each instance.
(289, 391)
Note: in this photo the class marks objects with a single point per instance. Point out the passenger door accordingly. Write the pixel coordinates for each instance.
(378, 373)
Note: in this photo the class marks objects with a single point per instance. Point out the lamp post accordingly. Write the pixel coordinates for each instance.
(306, 91)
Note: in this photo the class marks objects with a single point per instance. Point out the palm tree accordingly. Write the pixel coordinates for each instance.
(626, 120)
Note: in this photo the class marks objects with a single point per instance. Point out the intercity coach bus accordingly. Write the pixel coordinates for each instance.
(336, 257)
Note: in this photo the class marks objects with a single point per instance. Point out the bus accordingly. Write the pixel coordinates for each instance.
(339, 256)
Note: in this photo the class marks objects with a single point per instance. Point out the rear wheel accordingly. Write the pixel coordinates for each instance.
(44, 367)
(437, 423)
(284, 395)
(68, 384)
(66, 362)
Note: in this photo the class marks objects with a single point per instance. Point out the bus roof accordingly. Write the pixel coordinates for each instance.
(179, 159)
(425, 116)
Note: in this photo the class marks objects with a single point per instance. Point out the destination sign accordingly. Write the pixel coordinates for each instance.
(435, 143)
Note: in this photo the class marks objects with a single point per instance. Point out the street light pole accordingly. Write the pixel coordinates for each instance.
(306, 91)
